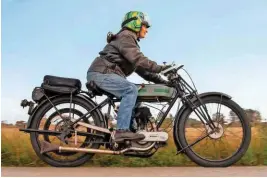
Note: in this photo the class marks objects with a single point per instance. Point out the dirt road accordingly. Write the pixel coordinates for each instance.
(121, 172)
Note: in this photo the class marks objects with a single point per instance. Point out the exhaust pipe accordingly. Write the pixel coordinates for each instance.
(47, 147)
(88, 150)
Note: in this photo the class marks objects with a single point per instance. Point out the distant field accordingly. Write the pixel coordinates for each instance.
(17, 151)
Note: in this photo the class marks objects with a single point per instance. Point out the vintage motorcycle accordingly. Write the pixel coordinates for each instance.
(67, 127)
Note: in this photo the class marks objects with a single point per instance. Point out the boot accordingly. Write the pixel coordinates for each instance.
(122, 135)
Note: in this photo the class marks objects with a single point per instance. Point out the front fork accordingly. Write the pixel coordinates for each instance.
(202, 112)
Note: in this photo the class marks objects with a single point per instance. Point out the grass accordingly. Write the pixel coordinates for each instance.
(17, 151)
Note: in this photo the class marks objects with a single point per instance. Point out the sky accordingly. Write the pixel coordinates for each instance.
(222, 44)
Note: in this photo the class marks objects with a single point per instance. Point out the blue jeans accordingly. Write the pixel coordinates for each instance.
(121, 88)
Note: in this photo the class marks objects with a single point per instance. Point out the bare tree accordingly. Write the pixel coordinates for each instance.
(218, 117)
(253, 115)
(233, 116)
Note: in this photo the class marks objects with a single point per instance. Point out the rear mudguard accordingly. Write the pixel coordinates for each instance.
(184, 108)
(84, 97)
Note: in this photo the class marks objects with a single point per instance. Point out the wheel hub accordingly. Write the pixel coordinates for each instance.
(63, 125)
(218, 133)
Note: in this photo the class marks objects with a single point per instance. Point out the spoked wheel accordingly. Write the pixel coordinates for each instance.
(229, 141)
(48, 118)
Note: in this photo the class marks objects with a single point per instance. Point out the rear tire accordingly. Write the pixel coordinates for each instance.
(36, 123)
(216, 163)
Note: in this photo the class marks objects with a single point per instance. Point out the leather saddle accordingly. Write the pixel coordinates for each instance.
(96, 90)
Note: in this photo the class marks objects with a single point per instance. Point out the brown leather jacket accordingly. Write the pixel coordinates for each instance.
(123, 56)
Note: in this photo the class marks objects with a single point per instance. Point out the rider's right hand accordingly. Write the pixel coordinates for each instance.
(164, 67)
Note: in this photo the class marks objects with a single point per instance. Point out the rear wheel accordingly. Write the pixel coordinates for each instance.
(224, 147)
(47, 118)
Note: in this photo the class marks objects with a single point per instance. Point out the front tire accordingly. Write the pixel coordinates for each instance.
(195, 157)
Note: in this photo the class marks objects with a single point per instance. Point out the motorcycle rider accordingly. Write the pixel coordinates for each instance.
(120, 58)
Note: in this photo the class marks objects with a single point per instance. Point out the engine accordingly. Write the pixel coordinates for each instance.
(142, 116)
(141, 120)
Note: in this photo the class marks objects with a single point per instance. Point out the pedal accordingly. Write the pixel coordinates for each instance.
(154, 136)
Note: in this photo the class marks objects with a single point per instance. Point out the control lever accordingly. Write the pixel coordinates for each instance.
(141, 86)
(181, 66)
(173, 67)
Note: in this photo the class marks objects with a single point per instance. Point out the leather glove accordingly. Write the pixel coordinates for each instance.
(164, 67)
(168, 83)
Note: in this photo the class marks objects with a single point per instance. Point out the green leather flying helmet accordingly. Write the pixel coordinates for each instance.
(134, 20)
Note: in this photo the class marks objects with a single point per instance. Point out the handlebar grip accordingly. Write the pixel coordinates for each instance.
(180, 67)
(141, 86)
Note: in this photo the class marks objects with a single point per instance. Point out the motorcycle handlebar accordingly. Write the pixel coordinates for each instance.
(173, 67)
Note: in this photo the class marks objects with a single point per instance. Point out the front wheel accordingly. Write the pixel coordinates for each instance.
(221, 148)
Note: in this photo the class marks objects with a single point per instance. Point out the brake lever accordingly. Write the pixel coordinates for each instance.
(165, 72)
(181, 66)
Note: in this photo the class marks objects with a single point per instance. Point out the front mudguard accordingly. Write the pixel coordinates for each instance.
(84, 97)
(184, 108)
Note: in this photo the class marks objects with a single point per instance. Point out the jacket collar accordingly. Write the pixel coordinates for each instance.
(133, 34)
(130, 32)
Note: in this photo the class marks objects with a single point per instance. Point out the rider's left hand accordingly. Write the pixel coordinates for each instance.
(168, 83)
